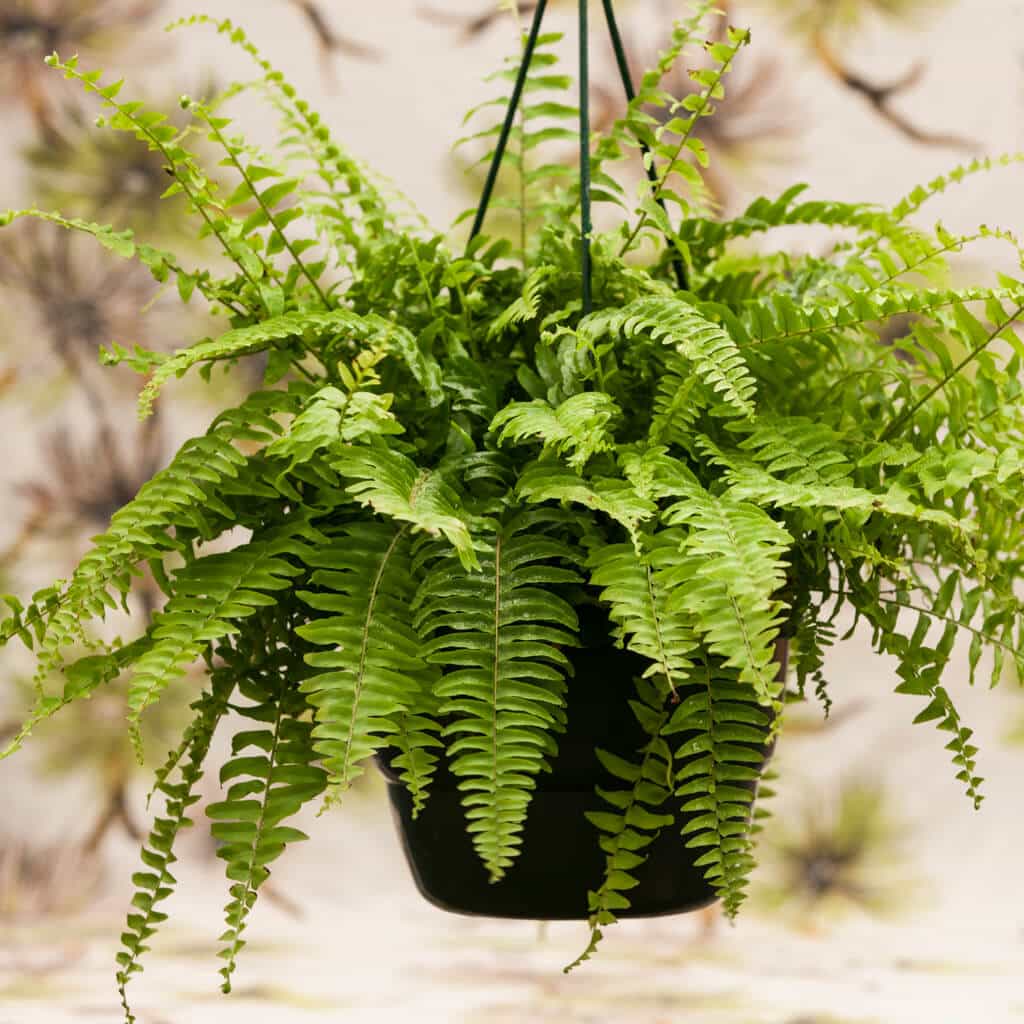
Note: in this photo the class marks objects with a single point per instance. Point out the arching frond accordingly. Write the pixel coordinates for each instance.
(713, 354)
(499, 634)
(729, 582)
(371, 670)
(393, 486)
(577, 428)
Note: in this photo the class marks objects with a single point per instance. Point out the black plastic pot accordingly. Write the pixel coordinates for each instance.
(560, 859)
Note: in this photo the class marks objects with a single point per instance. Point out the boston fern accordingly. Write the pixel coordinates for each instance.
(452, 459)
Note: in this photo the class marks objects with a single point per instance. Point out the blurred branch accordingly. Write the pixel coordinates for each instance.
(329, 41)
(472, 25)
(879, 97)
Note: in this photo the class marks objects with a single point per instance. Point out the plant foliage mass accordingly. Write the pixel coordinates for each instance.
(448, 459)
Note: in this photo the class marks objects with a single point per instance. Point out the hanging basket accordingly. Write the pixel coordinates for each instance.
(560, 860)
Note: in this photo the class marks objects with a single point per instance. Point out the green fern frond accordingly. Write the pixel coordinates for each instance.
(415, 742)
(211, 595)
(705, 236)
(176, 497)
(675, 143)
(680, 399)
(726, 734)
(331, 418)
(550, 481)
(918, 196)
(524, 309)
(920, 667)
(372, 672)
(267, 788)
(498, 633)
(299, 333)
(714, 355)
(532, 189)
(346, 200)
(395, 487)
(122, 242)
(638, 816)
(82, 678)
(638, 604)
(578, 427)
(156, 884)
(728, 582)
(155, 131)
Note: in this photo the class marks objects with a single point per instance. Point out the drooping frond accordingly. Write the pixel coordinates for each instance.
(577, 428)
(719, 762)
(638, 814)
(176, 497)
(416, 744)
(729, 580)
(499, 634)
(155, 884)
(921, 666)
(371, 671)
(272, 775)
(714, 355)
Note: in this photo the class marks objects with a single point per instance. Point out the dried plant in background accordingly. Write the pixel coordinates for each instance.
(828, 24)
(90, 743)
(76, 301)
(85, 485)
(42, 881)
(835, 855)
(331, 43)
(30, 30)
(474, 25)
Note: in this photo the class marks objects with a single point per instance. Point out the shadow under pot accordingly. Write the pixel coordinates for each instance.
(560, 860)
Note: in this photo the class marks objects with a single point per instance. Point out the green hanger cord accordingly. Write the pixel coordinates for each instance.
(586, 226)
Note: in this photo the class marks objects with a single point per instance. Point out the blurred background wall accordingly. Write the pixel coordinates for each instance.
(882, 896)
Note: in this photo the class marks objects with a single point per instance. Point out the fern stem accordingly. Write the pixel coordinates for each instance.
(285, 240)
(695, 116)
(627, 84)
(908, 415)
